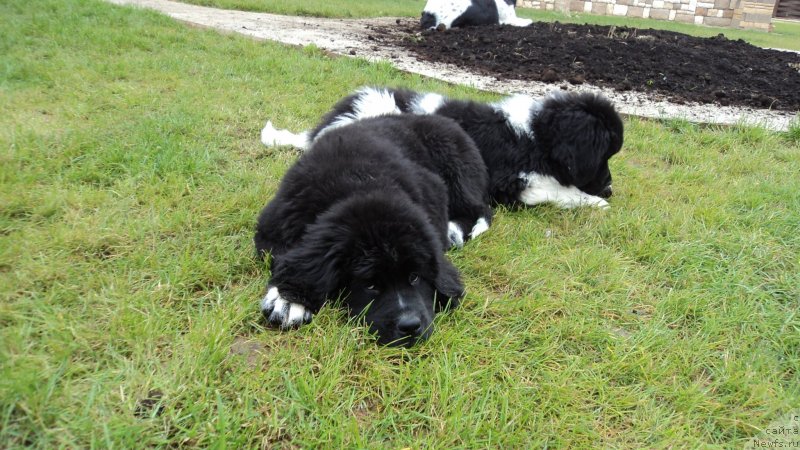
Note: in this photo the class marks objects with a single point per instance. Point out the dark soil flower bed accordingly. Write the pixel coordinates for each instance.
(679, 67)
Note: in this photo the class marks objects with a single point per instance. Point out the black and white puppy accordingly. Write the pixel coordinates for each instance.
(550, 150)
(463, 13)
(364, 214)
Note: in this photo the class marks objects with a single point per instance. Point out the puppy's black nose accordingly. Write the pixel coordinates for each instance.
(409, 325)
(606, 193)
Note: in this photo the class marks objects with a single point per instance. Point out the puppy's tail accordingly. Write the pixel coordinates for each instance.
(271, 136)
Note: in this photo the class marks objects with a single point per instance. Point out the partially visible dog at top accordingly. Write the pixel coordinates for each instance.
(438, 14)
(554, 149)
(366, 215)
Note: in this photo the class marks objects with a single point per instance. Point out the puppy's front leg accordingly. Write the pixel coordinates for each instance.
(302, 279)
(545, 189)
(283, 313)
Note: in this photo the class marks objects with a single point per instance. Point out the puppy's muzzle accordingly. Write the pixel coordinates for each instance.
(409, 325)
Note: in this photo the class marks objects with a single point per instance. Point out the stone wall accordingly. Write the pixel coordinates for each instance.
(750, 14)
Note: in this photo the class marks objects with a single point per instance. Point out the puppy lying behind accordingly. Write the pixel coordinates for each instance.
(363, 215)
(462, 13)
(551, 150)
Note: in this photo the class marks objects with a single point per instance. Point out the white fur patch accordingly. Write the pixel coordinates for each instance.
(446, 11)
(296, 314)
(427, 103)
(518, 110)
(546, 189)
(281, 312)
(479, 228)
(369, 102)
(455, 235)
(271, 136)
(372, 102)
(508, 16)
(401, 304)
(518, 22)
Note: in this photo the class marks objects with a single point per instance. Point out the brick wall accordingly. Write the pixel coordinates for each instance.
(751, 14)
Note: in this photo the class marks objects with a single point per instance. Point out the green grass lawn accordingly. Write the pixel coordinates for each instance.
(131, 178)
(785, 34)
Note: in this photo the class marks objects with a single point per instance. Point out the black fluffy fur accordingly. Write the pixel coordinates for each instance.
(364, 213)
(573, 137)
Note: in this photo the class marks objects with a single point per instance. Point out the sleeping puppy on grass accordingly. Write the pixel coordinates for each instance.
(537, 150)
(365, 215)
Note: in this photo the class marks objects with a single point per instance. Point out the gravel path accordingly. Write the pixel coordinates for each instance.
(355, 37)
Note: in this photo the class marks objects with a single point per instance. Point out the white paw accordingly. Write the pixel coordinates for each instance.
(455, 235)
(283, 313)
(517, 22)
(597, 202)
(584, 200)
(480, 227)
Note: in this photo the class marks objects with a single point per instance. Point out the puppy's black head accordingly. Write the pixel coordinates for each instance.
(398, 276)
(580, 132)
(384, 256)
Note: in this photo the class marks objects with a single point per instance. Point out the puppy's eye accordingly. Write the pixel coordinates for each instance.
(371, 287)
(413, 279)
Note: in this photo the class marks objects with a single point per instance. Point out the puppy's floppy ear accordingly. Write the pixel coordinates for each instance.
(310, 272)
(582, 153)
(449, 289)
(578, 143)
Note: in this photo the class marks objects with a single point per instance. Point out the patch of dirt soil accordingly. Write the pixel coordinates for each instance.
(666, 64)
